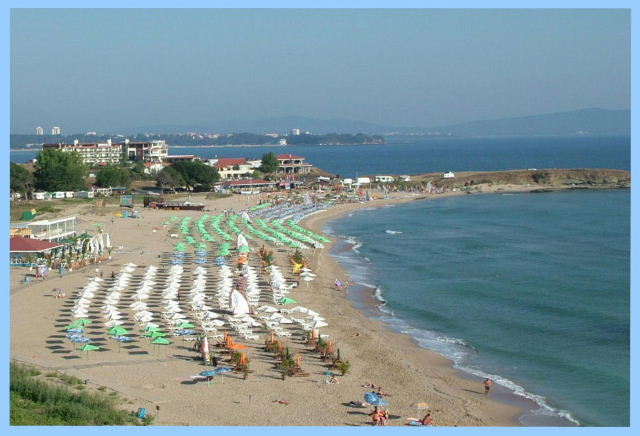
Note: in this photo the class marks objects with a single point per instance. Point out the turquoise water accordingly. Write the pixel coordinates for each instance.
(532, 289)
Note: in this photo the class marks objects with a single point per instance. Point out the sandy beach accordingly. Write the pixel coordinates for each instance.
(154, 377)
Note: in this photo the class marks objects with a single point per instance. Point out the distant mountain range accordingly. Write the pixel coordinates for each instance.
(592, 121)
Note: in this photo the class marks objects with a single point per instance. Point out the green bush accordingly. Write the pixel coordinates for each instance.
(34, 401)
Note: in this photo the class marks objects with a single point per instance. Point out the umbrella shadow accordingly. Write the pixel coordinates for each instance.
(71, 357)
(55, 342)
(61, 352)
(353, 412)
(136, 353)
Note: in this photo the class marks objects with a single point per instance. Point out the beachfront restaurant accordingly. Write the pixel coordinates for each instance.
(21, 249)
(53, 230)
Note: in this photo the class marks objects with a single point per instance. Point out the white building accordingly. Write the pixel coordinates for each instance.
(93, 154)
(448, 175)
(282, 141)
(384, 179)
(404, 178)
(255, 164)
(39, 131)
(53, 230)
(363, 180)
(295, 132)
(154, 167)
(55, 130)
(149, 151)
(233, 168)
(83, 194)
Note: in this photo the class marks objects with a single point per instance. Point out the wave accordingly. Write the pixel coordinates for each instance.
(543, 407)
(393, 232)
(457, 350)
(377, 294)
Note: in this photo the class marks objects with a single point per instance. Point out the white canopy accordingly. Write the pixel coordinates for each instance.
(239, 304)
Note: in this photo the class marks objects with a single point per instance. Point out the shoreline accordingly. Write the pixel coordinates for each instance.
(410, 373)
(363, 299)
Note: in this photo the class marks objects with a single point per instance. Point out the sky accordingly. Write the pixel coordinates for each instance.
(106, 70)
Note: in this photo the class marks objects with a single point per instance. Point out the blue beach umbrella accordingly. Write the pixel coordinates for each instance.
(374, 399)
(210, 373)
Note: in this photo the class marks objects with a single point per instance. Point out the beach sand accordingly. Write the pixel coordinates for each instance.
(151, 378)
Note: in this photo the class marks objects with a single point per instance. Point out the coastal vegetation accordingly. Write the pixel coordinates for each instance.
(270, 163)
(59, 171)
(41, 401)
(193, 174)
(114, 176)
(21, 179)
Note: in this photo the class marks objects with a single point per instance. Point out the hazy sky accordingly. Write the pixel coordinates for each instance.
(109, 69)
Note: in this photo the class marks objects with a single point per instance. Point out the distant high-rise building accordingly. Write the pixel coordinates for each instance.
(39, 131)
(55, 130)
(295, 132)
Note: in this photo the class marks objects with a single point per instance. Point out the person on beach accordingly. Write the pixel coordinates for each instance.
(375, 416)
(427, 420)
(487, 385)
(384, 416)
(337, 284)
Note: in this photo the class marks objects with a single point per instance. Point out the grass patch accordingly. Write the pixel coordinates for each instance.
(68, 379)
(33, 401)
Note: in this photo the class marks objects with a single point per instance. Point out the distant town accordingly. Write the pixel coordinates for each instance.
(294, 137)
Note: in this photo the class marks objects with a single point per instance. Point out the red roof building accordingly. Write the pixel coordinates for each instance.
(28, 245)
(229, 162)
(233, 168)
(292, 164)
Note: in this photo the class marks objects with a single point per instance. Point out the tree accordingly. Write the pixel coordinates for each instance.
(137, 170)
(196, 172)
(169, 176)
(270, 163)
(113, 176)
(21, 179)
(59, 171)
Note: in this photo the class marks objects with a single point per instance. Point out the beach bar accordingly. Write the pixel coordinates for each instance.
(53, 230)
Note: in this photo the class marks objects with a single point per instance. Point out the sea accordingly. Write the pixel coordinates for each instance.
(531, 290)
(435, 155)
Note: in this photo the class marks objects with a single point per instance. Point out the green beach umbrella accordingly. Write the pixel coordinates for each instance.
(83, 321)
(118, 331)
(89, 347)
(244, 249)
(161, 341)
(157, 334)
(287, 300)
(186, 325)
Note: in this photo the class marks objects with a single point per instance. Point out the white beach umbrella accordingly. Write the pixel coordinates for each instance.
(113, 323)
(319, 324)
